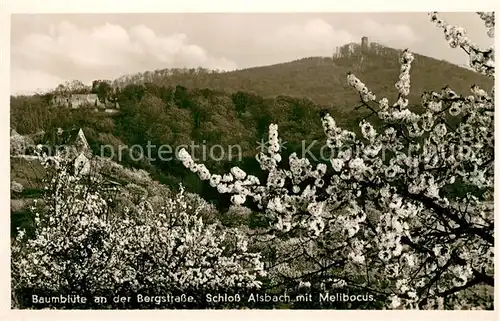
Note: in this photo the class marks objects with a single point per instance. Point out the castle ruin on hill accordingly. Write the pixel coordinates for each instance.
(75, 101)
(364, 43)
(355, 49)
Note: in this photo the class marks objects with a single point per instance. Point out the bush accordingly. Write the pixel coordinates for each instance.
(16, 187)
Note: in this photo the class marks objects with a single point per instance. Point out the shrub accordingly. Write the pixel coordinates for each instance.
(16, 187)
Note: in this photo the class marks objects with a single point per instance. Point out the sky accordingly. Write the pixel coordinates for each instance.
(49, 49)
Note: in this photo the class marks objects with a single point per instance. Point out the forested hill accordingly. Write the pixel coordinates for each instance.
(322, 79)
(236, 108)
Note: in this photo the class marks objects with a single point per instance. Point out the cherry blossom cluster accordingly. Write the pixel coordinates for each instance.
(353, 81)
(79, 244)
(482, 60)
(393, 218)
(402, 85)
(489, 22)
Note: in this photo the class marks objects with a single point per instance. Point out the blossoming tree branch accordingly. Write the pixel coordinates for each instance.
(385, 215)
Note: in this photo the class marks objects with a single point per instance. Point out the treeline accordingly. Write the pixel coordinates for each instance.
(174, 116)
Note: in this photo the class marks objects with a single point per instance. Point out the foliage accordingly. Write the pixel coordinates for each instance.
(18, 145)
(16, 187)
(103, 89)
(74, 87)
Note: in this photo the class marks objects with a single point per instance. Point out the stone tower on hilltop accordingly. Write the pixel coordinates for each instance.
(353, 49)
(364, 44)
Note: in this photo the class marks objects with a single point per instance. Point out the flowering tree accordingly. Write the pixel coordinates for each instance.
(81, 247)
(403, 211)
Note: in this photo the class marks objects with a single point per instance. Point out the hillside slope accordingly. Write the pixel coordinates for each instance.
(322, 79)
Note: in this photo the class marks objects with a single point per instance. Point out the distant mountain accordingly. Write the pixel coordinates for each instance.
(323, 79)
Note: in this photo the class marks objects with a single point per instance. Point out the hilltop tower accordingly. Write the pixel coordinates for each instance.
(364, 44)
